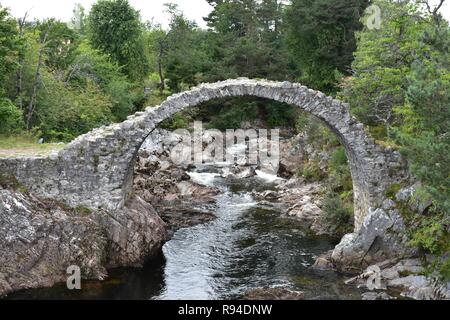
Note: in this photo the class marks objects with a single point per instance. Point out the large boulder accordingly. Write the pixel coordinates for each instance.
(40, 240)
(382, 236)
(134, 233)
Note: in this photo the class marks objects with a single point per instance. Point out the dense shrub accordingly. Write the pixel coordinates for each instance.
(338, 216)
(11, 120)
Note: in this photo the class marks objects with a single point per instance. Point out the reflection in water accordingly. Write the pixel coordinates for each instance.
(246, 247)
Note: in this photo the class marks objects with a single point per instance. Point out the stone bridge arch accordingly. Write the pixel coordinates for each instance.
(96, 169)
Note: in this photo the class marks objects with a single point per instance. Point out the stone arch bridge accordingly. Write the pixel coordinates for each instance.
(96, 169)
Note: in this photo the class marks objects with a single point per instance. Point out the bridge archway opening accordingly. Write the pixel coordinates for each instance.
(248, 112)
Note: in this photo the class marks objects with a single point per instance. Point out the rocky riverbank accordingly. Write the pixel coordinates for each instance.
(40, 239)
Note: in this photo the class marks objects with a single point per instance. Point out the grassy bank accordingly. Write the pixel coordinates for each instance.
(24, 145)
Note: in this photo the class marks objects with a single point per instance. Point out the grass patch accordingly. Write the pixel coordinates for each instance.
(24, 145)
(392, 191)
(83, 211)
(311, 172)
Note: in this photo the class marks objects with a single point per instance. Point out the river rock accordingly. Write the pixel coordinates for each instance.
(292, 154)
(273, 294)
(414, 201)
(179, 201)
(135, 234)
(381, 237)
(323, 262)
(376, 296)
(405, 276)
(305, 210)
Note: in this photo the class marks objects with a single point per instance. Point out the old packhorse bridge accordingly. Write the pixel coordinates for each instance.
(96, 169)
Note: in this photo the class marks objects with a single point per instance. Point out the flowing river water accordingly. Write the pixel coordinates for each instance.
(248, 246)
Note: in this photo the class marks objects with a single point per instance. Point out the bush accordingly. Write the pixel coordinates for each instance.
(11, 119)
(179, 120)
(66, 113)
(279, 114)
(338, 159)
(430, 234)
(339, 172)
(311, 172)
(338, 216)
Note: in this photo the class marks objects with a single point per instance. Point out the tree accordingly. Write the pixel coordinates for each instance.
(10, 117)
(247, 40)
(92, 67)
(9, 46)
(383, 55)
(60, 44)
(115, 29)
(185, 57)
(424, 132)
(321, 38)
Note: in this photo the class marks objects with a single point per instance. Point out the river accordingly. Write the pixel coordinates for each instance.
(248, 246)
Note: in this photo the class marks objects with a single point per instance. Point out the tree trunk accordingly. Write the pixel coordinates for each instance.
(32, 104)
(162, 85)
(19, 75)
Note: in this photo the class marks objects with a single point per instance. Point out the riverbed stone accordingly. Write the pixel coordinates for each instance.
(273, 294)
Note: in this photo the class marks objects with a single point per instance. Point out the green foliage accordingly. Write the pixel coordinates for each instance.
(392, 191)
(338, 216)
(82, 211)
(382, 64)
(432, 236)
(317, 134)
(235, 115)
(185, 55)
(321, 38)
(79, 19)
(400, 88)
(311, 172)
(248, 40)
(66, 113)
(279, 114)
(10, 117)
(178, 121)
(115, 29)
(340, 179)
(9, 46)
(60, 43)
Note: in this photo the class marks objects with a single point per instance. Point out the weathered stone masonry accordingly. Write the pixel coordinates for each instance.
(96, 169)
